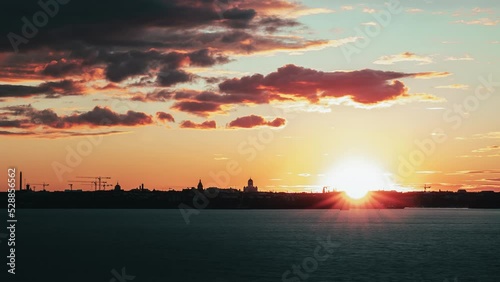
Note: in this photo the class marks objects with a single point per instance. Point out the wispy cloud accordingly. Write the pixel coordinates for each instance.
(488, 135)
(221, 158)
(479, 156)
(487, 149)
(432, 74)
(428, 171)
(464, 58)
(55, 134)
(492, 151)
(403, 57)
(369, 10)
(478, 10)
(454, 86)
(414, 10)
(487, 180)
(309, 11)
(473, 172)
(481, 21)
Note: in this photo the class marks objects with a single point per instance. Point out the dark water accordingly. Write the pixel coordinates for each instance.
(258, 245)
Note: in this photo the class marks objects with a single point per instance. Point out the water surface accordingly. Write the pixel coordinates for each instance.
(258, 245)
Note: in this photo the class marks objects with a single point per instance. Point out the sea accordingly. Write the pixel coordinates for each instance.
(421, 245)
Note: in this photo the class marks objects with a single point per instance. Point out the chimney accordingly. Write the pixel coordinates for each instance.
(20, 181)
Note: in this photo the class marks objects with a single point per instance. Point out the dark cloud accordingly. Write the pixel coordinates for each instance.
(213, 80)
(19, 91)
(291, 83)
(255, 121)
(105, 117)
(198, 108)
(12, 133)
(364, 86)
(238, 18)
(61, 68)
(162, 116)
(59, 134)
(273, 24)
(97, 117)
(205, 58)
(204, 125)
(134, 24)
(168, 77)
(55, 89)
(109, 86)
(106, 25)
(122, 69)
(151, 42)
(122, 65)
(165, 95)
(118, 65)
(11, 123)
(50, 89)
(51, 134)
(155, 96)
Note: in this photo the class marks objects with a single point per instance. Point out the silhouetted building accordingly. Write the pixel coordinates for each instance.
(250, 188)
(118, 187)
(200, 186)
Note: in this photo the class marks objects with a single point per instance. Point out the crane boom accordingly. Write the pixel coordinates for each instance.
(97, 178)
(426, 187)
(86, 181)
(43, 184)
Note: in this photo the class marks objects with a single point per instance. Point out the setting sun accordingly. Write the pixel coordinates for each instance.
(357, 177)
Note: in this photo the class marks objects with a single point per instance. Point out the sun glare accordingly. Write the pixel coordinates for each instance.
(357, 177)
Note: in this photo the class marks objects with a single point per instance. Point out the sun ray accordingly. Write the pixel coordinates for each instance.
(356, 177)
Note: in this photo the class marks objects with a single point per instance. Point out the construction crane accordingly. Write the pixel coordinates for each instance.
(86, 181)
(105, 184)
(426, 187)
(43, 185)
(97, 178)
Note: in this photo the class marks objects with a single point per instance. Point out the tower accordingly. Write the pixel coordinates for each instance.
(200, 186)
(20, 180)
(250, 187)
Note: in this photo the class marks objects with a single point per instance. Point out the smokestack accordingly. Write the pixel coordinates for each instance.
(20, 181)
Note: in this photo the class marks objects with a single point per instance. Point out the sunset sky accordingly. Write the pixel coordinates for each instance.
(290, 93)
